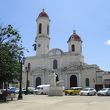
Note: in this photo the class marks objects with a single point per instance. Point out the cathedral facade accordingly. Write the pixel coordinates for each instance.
(68, 66)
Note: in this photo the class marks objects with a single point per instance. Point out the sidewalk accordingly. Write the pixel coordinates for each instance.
(44, 102)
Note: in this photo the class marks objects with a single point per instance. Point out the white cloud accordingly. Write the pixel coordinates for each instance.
(107, 42)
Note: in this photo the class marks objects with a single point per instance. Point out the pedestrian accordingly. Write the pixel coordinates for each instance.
(5, 94)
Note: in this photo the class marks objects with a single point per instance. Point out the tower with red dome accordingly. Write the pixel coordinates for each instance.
(75, 44)
(42, 38)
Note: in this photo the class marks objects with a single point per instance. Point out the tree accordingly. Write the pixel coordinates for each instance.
(10, 51)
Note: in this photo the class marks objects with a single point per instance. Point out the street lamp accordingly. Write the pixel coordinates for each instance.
(21, 61)
(27, 71)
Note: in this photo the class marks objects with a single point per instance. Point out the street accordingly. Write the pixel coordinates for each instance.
(44, 102)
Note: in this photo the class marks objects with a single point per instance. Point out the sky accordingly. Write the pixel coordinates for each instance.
(90, 19)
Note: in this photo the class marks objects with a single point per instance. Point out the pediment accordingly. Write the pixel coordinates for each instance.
(55, 51)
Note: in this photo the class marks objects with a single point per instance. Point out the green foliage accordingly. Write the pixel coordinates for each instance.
(10, 51)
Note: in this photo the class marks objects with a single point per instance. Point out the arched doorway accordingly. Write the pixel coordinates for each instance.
(73, 81)
(38, 81)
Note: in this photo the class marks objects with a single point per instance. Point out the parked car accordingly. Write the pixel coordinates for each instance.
(23, 90)
(104, 91)
(31, 90)
(12, 89)
(43, 89)
(73, 91)
(17, 90)
(88, 91)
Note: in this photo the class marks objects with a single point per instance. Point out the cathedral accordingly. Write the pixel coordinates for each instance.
(68, 66)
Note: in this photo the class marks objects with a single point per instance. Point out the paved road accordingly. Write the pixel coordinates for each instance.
(43, 102)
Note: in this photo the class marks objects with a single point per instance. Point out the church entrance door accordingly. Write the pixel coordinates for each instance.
(73, 81)
(38, 81)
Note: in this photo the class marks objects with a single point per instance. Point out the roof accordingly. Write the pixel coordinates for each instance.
(43, 14)
(74, 37)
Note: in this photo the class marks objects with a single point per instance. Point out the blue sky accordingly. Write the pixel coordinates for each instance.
(90, 19)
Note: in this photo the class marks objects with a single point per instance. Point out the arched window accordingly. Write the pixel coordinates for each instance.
(40, 28)
(73, 47)
(48, 29)
(87, 82)
(55, 64)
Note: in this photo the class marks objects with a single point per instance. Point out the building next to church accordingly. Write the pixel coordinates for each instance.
(69, 66)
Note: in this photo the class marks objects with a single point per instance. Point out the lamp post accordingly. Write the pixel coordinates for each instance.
(21, 61)
(27, 71)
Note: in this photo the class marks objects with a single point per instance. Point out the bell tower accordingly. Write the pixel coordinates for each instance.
(42, 38)
(75, 44)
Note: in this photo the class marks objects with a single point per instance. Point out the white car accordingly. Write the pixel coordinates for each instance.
(43, 89)
(88, 91)
(104, 91)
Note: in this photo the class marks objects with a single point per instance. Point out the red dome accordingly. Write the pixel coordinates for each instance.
(74, 37)
(43, 14)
